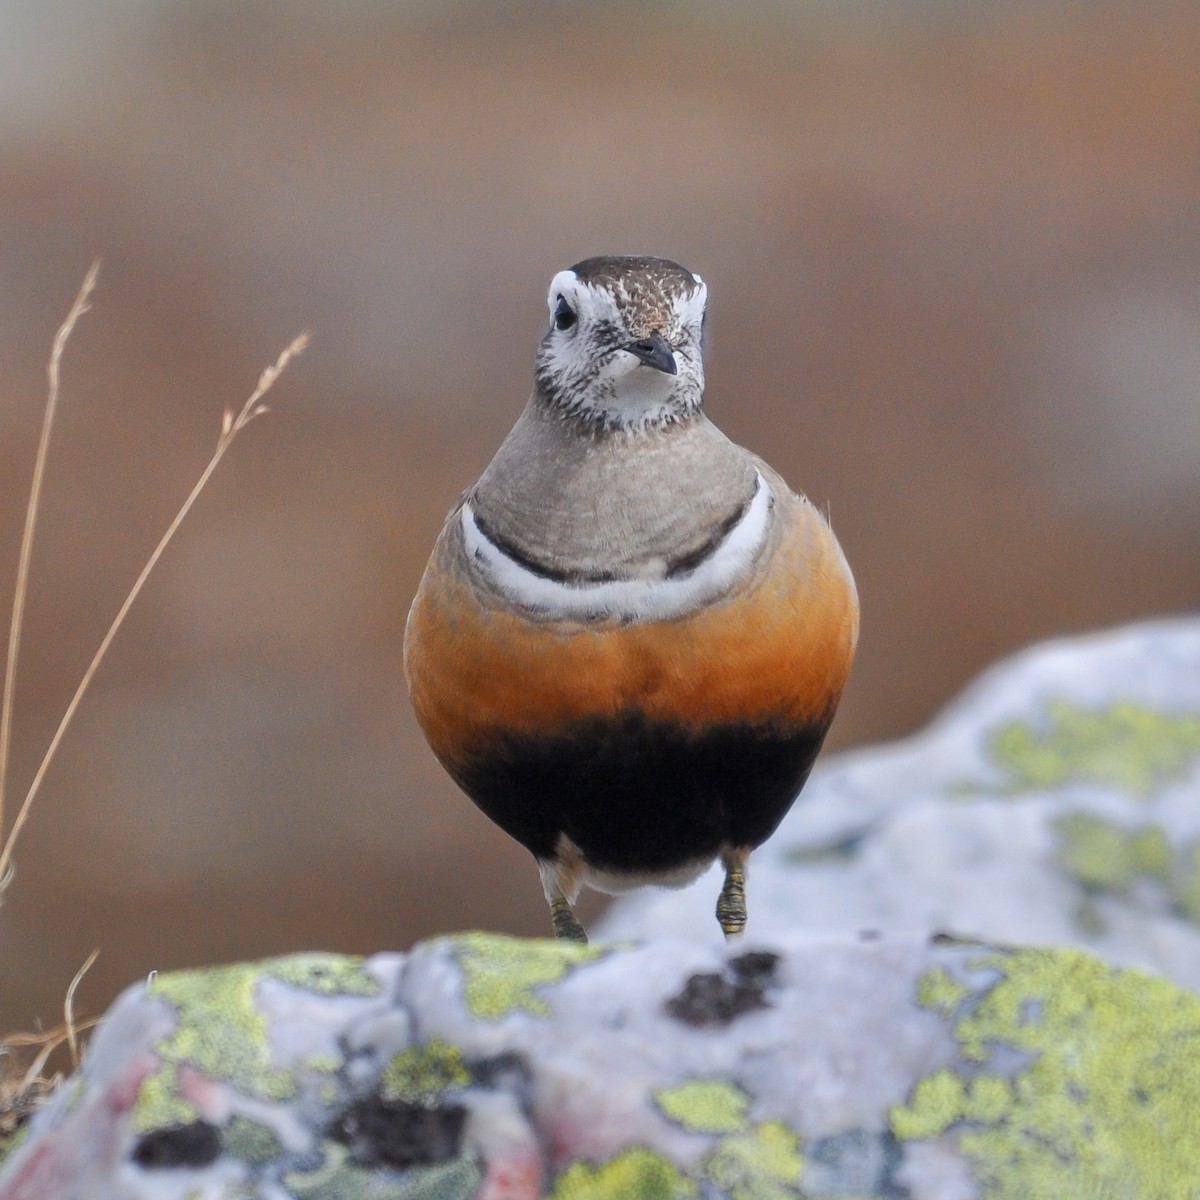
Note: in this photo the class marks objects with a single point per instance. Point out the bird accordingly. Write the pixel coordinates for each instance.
(631, 636)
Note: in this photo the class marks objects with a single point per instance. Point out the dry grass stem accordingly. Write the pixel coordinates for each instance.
(24, 1086)
(21, 589)
(69, 1008)
(231, 426)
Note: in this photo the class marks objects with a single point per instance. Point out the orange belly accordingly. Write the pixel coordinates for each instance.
(490, 685)
(777, 651)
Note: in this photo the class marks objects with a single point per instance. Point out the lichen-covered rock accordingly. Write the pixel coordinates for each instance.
(1055, 803)
(493, 1068)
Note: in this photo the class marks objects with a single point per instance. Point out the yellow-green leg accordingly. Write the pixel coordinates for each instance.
(731, 904)
(566, 923)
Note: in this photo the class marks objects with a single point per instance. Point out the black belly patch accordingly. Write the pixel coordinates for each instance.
(638, 796)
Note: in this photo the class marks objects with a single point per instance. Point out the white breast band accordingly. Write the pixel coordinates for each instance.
(629, 599)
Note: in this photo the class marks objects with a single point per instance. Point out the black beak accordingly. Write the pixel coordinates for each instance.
(655, 352)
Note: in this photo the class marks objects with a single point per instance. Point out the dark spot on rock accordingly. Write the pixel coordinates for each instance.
(755, 966)
(705, 1000)
(504, 1073)
(946, 937)
(394, 1133)
(712, 999)
(197, 1144)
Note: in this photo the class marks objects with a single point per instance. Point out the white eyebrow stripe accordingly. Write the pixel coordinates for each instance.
(628, 599)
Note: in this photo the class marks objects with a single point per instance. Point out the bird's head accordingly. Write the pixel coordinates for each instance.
(624, 345)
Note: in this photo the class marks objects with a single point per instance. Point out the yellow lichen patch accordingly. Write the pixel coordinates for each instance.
(760, 1162)
(500, 973)
(705, 1105)
(1185, 882)
(638, 1174)
(250, 1141)
(1095, 1090)
(326, 974)
(221, 1032)
(1126, 747)
(748, 1162)
(1105, 857)
(940, 991)
(763, 1163)
(423, 1074)
(937, 1102)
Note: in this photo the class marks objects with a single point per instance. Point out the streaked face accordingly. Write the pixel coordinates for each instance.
(623, 346)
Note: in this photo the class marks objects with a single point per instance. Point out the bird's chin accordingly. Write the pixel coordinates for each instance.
(641, 395)
(641, 412)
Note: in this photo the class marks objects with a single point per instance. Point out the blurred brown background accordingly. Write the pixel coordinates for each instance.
(955, 279)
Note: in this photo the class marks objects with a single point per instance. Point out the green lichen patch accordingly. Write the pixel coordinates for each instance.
(10, 1141)
(835, 850)
(1126, 747)
(1185, 883)
(748, 1162)
(706, 1106)
(1105, 857)
(338, 1178)
(501, 973)
(763, 1163)
(220, 1032)
(944, 1097)
(937, 1102)
(423, 1074)
(1089, 918)
(326, 974)
(638, 1174)
(751, 1162)
(328, 1063)
(250, 1141)
(1099, 1098)
(940, 991)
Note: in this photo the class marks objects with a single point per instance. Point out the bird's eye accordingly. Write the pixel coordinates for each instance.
(564, 315)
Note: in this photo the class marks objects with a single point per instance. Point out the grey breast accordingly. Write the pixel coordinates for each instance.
(595, 505)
